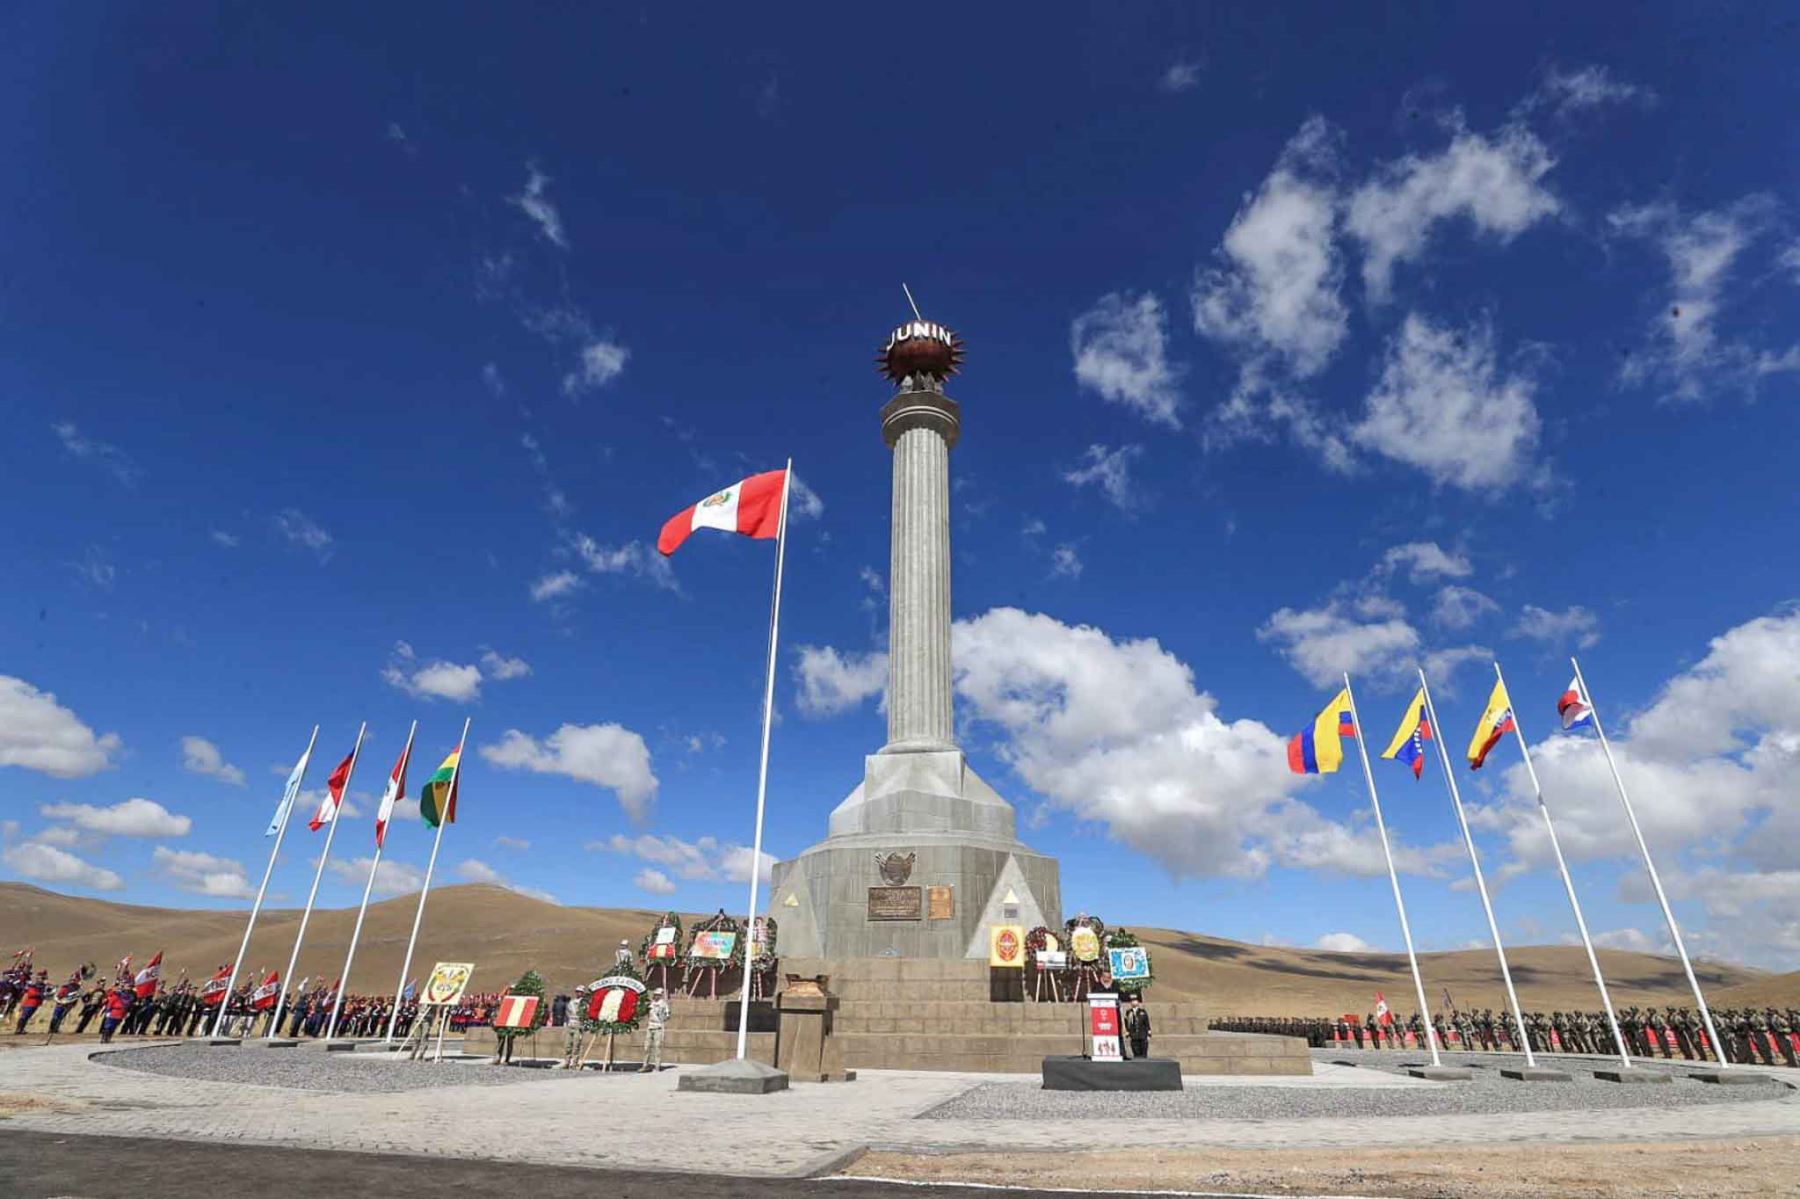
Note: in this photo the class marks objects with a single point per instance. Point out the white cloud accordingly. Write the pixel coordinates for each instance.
(1573, 625)
(653, 881)
(109, 457)
(127, 818)
(392, 877)
(606, 755)
(1425, 561)
(1110, 471)
(63, 836)
(1442, 406)
(47, 864)
(203, 873)
(1065, 562)
(1459, 607)
(535, 203)
(704, 860)
(40, 734)
(554, 586)
(735, 864)
(1441, 665)
(1566, 91)
(601, 362)
(435, 680)
(1276, 289)
(1343, 943)
(501, 668)
(226, 540)
(95, 568)
(1121, 351)
(833, 682)
(1180, 77)
(1326, 642)
(1116, 732)
(474, 870)
(514, 843)
(305, 532)
(1495, 183)
(803, 502)
(1634, 940)
(632, 558)
(203, 757)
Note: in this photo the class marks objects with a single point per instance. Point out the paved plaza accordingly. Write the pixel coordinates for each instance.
(640, 1121)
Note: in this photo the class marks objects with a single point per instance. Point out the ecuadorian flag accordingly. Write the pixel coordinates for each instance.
(1496, 722)
(437, 801)
(1320, 749)
(1408, 745)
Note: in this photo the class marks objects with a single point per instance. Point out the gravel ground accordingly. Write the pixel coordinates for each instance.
(1486, 1094)
(308, 1068)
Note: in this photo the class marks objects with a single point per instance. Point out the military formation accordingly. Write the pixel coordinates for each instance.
(1769, 1037)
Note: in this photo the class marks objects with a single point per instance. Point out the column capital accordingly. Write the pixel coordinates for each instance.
(921, 409)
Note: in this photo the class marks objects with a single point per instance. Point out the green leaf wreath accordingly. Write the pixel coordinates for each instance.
(530, 983)
(1122, 938)
(625, 1025)
(669, 920)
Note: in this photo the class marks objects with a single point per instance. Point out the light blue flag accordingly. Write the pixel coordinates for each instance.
(289, 793)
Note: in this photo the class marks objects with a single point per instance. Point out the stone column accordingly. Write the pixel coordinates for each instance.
(920, 426)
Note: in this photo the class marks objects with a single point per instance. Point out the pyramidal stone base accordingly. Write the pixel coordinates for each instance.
(735, 1076)
(960, 868)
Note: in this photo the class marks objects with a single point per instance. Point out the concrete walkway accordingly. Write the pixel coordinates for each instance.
(632, 1121)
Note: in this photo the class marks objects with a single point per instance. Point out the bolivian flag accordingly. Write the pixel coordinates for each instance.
(437, 802)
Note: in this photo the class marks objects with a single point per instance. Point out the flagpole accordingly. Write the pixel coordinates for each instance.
(425, 890)
(318, 873)
(1393, 877)
(762, 773)
(344, 985)
(1562, 868)
(280, 834)
(1487, 905)
(1655, 880)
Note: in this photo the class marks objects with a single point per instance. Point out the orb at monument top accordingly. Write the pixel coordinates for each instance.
(921, 350)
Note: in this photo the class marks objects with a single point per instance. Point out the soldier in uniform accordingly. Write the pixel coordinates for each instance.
(577, 1013)
(1137, 1026)
(654, 1028)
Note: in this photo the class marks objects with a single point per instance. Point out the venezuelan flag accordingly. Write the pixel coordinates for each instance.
(1496, 722)
(1320, 749)
(437, 800)
(1408, 745)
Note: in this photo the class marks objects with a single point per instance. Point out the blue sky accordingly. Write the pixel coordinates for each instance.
(352, 359)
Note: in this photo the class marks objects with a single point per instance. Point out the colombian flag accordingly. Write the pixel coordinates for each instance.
(1496, 722)
(437, 802)
(1408, 745)
(1320, 749)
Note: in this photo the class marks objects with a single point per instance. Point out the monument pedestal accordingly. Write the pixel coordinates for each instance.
(805, 1048)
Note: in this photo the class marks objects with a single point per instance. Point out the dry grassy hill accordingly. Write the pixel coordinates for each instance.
(505, 933)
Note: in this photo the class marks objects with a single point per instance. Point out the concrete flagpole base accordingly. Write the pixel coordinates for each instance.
(1729, 1078)
(1633, 1075)
(1536, 1074)
(224, 1041)
(736, 1076)
(1442, 1073)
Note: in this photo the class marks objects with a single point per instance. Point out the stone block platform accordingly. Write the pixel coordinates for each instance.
(936, 1014)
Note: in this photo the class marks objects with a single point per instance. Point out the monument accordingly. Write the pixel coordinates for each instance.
(923, 856)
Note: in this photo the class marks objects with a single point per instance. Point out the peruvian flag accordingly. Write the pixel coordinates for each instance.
(1383, 1017)
(751, 507)
(396, 787)
(516, 1011)
(214, 989)
(263, 998)
(148, 977)
(334, 794)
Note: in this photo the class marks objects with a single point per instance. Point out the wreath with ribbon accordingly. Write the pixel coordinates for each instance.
(1037, 941)
(629, 1009)
(669, 920)
(530, 983)
(763, 934)
(1098, 928)
(1121, 938)
(720, 923)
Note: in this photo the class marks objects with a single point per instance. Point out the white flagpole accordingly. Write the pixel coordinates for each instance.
(762, 774)
(344, 985)
(318, 873)
(280, 834)
(424, 891)
(1393, 877)
(1562, 868)
(1512, 995)
(1655, 881)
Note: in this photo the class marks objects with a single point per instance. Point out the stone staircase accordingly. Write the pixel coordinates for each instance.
(938, 1014)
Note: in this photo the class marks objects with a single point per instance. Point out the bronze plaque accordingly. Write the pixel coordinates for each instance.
(896, 903)
(941, 903)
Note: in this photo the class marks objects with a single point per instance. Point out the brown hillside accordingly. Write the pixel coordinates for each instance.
(505, 934)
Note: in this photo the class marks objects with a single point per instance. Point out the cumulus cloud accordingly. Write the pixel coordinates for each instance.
(1569, 90)
(203, 757)
(500, 668)
(1443, 406)
(1065, 562)
(1459, 607)
(458, 682)
(653, 882)
(832, 681)
(474, 870)
(1116, 733)
(535, 203)
(1494, 183)
(606, 755)
(202, 873)
(1342, 943)
(601, 362)
(391, 877)
(704, 860)
(303, 531)
(1574, 625)
(1425, 561)
(37, 733)
(43, 863)
(127, 818)
(1121, 353)
(1110, 471)
(1327, 642)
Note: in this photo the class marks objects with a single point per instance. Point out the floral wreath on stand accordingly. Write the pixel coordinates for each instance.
(1086, 938)
(530, 983)
(763, 940)
(656, 969)
(1037, 941)
(628, 1010)
(1121, 938)
(711, 967)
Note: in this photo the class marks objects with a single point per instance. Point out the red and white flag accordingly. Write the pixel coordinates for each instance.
(396, 787)
(263, 998)
(148, 977)
(214, 989)
(751, 506)
(334, 794)
(1383, 1017)
(516, 1011)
